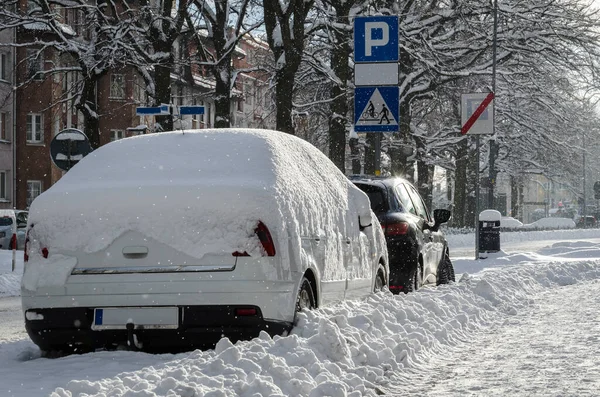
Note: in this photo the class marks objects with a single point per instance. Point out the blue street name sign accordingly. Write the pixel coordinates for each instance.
(184, 110)
(376, 39)
(161, 110)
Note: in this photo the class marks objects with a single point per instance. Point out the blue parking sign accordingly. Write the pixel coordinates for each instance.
(376, 39)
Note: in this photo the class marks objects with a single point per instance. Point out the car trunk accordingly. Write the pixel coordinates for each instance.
(177, 227)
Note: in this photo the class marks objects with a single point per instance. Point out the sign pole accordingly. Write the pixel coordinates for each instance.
(493, 144)
(376, 92)
(378, 155)
(477, 199)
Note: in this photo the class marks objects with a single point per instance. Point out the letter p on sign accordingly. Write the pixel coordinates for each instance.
(373, 39)
(376, 39)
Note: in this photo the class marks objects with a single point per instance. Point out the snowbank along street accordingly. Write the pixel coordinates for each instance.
(514, 324)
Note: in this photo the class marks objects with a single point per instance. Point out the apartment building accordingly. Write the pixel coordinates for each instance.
(7, 112)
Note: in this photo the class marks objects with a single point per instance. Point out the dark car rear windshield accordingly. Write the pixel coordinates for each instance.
(5, 221)
(378, 201)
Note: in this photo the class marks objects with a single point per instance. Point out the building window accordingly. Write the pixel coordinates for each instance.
(3, 66)
(117, 86)
(34, 189)
(139, 89)
(74, 19)
(115, 135)
(34, 128)
(35, 64)
(3, 189)
(3, 126)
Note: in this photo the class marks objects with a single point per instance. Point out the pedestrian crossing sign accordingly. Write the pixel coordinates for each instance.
(376, 109)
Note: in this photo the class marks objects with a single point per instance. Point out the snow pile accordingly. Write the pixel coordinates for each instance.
(199, 192)
(461, 240)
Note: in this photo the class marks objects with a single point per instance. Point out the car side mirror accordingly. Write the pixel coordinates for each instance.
(441, 216)
(365, 220)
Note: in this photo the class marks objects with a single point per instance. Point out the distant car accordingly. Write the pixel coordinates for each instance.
(510, 222)
(551, 223)
(587, 221)
(6, 228)
(181, 238)
(417, 249)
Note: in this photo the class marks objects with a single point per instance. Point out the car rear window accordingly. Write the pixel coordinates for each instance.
(5, 221)
(376, 196)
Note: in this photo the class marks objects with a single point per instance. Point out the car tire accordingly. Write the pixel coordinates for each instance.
(306, 296)
(415, 279)
(445, 270)
(379, 282)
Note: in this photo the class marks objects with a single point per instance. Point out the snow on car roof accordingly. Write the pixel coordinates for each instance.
(199, 191)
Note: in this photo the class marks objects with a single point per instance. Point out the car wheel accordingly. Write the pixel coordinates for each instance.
(415, 280)
(445, 270)
(379, 282)
(306, 296)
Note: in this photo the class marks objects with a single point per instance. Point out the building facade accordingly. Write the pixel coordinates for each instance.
(7, 121)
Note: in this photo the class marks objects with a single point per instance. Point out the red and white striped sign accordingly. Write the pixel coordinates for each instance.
(485, 126)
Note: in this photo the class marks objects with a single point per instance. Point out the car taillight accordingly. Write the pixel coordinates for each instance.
(45, 251)
(395, 228)
(26, 248)
(265, 239)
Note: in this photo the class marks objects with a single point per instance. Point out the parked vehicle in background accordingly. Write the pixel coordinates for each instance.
(182, 238)
(6, 228)
(587, 221)
(417, 249)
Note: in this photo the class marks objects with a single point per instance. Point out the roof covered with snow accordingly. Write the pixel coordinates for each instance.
(198, 192)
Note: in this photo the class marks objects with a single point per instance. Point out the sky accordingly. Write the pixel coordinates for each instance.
(520, 323)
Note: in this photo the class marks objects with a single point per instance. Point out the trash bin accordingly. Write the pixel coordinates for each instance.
(489, 231)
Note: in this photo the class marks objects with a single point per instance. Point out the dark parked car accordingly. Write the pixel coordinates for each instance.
(587, 221)
(418, 251)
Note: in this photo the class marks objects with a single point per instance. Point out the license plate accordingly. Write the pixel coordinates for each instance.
(141, 317)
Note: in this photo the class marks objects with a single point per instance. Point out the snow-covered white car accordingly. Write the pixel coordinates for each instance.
(181, 238)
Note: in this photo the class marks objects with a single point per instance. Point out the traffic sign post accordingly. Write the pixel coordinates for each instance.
(477, 116)
(376, 109)
(376, 39)
(68, 147)
(477, 113)
(190, 110)
(162, 110)
(376, 96)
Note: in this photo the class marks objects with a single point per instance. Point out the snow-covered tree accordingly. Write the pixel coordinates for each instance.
(82, 35)
(225, 25)
(285, 26)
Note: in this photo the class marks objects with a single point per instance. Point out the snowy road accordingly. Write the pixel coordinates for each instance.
(523, 322)
(549, 349)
